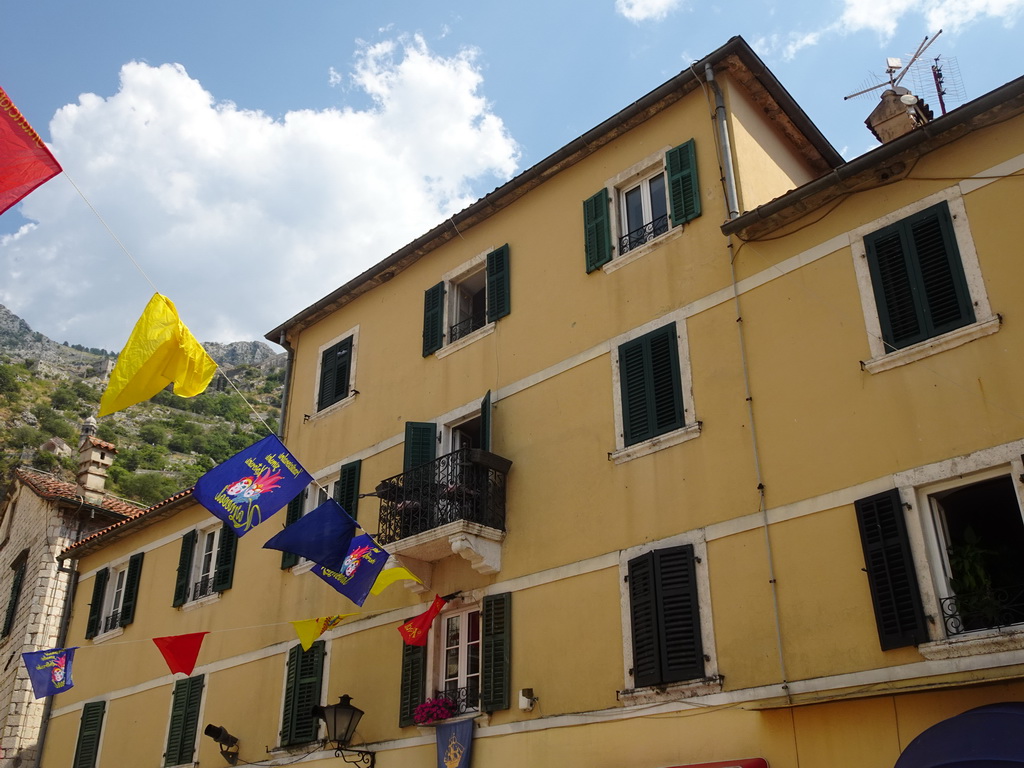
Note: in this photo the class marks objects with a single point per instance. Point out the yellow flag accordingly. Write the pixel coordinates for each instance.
(389, 576)
(309, 630)
(160, 350)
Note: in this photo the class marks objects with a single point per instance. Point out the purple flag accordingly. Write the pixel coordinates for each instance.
(252, 485)
(50, 670)
(357, 572)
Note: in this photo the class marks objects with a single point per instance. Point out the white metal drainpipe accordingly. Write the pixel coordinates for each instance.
(729, 182)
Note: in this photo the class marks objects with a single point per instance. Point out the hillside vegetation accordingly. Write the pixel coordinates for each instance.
(47, 391)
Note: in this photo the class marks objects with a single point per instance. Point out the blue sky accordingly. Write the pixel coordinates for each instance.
(252, 156)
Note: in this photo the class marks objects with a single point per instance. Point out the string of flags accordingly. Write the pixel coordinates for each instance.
(243, 491)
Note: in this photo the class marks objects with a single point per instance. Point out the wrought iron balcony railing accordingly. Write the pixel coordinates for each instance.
(202, 588)
(644, 234)
(468, 484)
(465, 699)
(112, 621)
(990, 609)
(466, 327)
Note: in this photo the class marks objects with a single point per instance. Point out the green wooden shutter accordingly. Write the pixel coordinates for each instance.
(683, 186)
(294, 513)
(650, 386)
(89, 734)
(597, 230)
(335, 367)
(131, 589)
(420, 444)
(227, 549)
(918, 279)
(12, 603)
(433, 319)
(184, 576)
(485, 422)
(499, 302)
(496, 653)
(99, 591)
(665, 617)
(890, 568)
(414, 682)
(181, 734)
(302, 692)
(346, 490)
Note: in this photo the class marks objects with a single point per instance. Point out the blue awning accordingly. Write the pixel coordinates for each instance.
(991, 736)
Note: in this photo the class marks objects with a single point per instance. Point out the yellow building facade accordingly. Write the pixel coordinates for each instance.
(697, 492)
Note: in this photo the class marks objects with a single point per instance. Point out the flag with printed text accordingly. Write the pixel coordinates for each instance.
(25, 162)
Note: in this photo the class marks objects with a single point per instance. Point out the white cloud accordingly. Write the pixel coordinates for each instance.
(646, 10)
(241, 219)
(948, 15)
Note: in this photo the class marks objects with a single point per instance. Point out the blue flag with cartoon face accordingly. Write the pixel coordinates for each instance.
(50, 670)
(252, 485)
(357, 572)
(323, 536)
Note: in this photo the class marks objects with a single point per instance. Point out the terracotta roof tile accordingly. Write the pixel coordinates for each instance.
(49, 487)
(95, 441)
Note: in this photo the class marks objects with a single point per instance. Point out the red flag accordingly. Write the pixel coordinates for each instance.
(181, 651)
(25, 162)
(415, 631)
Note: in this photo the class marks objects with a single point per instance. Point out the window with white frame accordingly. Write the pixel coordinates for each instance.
(114, 597)
(641, 204)
(942, 553)
(667, 628)
(336, 370)
(920, 281)
(206, 563)
(468, 299)
(466, 660)
(653, 406)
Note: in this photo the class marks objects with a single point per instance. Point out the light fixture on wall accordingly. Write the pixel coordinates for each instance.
(342, 719)
(226, 741)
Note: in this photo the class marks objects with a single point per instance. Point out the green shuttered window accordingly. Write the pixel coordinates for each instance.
(99, 590)
(420, 444)
(222, 575)
(414, 682)
(346, 489)
(335, 371)
(683, 186)
(891, 576)
(496, 636)
(597, 232)
(433, 319)
(499, 300)
(131, 589)
(918, 279)
(302, 693)
(292, 515)
(89, 728)
(652, 401)
(665, 617)
(181, 734)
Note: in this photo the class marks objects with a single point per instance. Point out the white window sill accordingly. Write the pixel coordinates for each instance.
(102, 638)
(655, 444)
(633, 254)
(465, 341)
(194, 604)
(303, 566)
(672, 692)
(332, 407)
(975, 643)
(933, 346)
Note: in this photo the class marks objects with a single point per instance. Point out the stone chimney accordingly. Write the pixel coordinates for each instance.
(897, 114)
(94, 458)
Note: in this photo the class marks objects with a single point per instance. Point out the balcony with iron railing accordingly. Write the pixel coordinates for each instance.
(644, 234)
(465, 327)
(464, 699)
(988, 609)
(455, 503)
(112, 622)
(202, 588)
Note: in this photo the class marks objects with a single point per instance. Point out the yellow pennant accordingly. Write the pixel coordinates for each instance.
(389, 576)
(160, 350)
(309, 630)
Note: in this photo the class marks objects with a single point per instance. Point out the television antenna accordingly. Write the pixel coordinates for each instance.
(895, 70)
